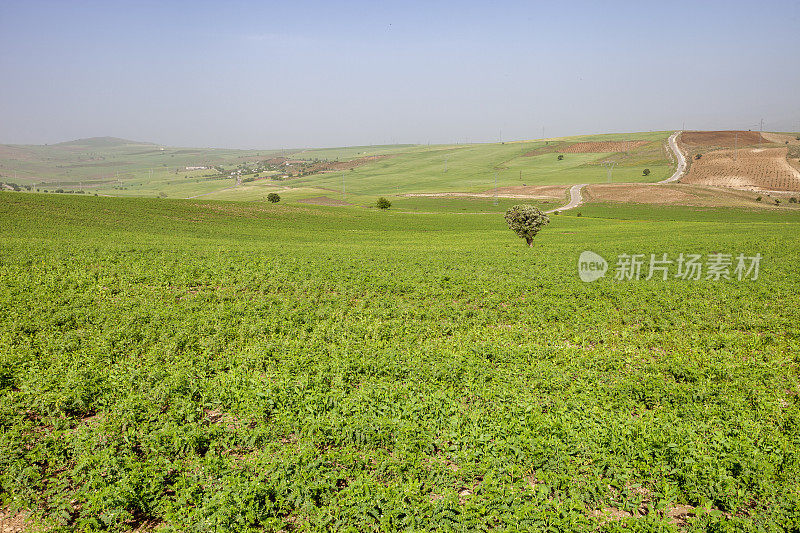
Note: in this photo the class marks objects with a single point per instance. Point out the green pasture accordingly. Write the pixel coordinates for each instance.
(246, 366)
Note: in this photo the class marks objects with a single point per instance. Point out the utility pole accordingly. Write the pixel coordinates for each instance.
(501, 135)
(495, 187)
(609, 168)
(445, 164)
(344, 196)
(736, 147)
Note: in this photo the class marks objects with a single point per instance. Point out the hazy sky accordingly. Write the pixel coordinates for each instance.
(292, 74)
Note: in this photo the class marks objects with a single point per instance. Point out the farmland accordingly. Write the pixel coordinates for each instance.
(115, 167)
(745, 160)
(748, 168)
(234, 366)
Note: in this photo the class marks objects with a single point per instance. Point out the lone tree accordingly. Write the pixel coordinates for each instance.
(560, 157)
(646, 172)
(274, 197)
(526, 221)
(383, 203)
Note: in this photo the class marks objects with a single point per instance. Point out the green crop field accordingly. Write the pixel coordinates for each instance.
(197, 365)
(115, 167)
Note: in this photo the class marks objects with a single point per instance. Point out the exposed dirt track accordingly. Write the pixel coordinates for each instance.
(598, 147)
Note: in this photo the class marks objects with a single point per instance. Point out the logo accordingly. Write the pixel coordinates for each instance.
(591, 266)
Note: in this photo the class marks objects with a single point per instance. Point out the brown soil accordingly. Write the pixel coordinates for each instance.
(608, 146)
(750, 169)
(677, 515)
(542, 192)
(670, 194)
(782, 138)
(12, 523)
(721, 138)
(324, 200)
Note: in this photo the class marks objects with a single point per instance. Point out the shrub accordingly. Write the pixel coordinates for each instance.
(578, 214)
(698, 156)
(274, 197)
(560, 157)
(383, 203)
(758, 198)
(526, 221)
(646, 172)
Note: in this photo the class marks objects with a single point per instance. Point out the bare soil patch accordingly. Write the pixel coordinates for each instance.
(670, 194)
(721, 138)
(750, 169)
(324, 200)
(12, 522)
(608, 146)
(541, 192)
(782, 138)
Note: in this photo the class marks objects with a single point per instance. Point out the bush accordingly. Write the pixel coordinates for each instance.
(383, 203)
(792, 200)
(698, 156)
(646, 172)
(578, 214)
(526, 221)
(758, 198)
(274, 197)
(560, 157)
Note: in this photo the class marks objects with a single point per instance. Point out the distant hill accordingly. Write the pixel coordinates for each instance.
(102, 142)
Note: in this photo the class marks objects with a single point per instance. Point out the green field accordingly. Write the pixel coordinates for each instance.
(115, 167)
(220, 366)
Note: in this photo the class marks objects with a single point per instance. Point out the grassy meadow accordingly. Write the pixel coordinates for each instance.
(222, 366)
(115, 167)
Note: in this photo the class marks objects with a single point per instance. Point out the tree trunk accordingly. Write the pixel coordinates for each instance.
(529, 240)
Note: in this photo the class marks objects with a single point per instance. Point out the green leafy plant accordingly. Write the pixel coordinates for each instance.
(526, 221)
(274, 197)
(383, 203)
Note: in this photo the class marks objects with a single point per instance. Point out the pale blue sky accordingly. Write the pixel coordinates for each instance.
(292, 74)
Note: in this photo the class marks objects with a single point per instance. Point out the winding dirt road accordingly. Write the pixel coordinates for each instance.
(673, 143)
(575, 198)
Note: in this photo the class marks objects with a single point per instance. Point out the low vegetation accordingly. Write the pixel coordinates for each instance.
(243, 367)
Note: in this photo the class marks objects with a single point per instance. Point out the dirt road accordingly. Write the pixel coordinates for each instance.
(673, 143)
(575, 198)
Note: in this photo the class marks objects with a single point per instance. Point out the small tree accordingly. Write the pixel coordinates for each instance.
(698, 156)
(560, 157)
(274, 197)
(526, 221)
(646, 172)
(383, 203)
